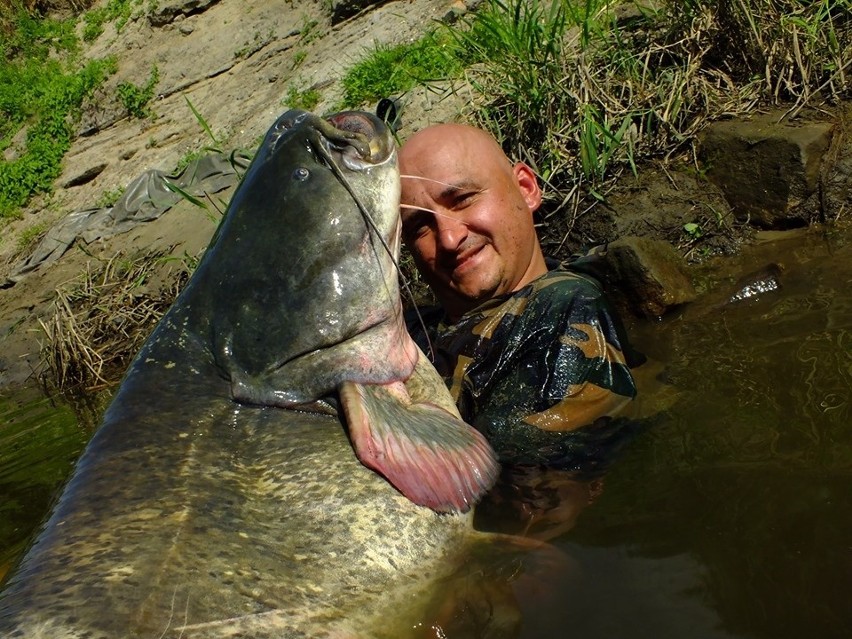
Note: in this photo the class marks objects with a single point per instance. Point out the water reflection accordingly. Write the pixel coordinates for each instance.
(537, 503)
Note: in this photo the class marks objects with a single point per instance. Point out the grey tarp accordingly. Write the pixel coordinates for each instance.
(144, 199)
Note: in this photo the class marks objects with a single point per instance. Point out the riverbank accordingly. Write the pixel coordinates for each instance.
(694, 203)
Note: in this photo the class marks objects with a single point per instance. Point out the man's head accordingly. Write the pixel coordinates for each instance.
(469, 221)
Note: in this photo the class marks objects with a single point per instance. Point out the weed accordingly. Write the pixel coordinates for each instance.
(391, 70)
(299, 58)
(693, 230)
(38, 93)
(30, 236)
(203, 123)
(582, 96)
(188, 158)
(118, 11)
(136, 98)
(305, 99)
(100, 319)
(309, 31)
(109, 198)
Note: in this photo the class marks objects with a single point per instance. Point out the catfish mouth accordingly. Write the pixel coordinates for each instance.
(357, 139)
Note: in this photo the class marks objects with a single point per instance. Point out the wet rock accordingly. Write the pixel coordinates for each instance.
(768, 171)
(757, 283)
(647, 275)
(837, 196)
(343, 9)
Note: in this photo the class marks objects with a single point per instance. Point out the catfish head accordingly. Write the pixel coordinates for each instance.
(304, 264)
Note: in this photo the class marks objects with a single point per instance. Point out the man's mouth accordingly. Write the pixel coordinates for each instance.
(466, 259)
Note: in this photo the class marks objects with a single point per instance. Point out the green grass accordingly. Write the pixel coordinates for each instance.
(118, 11)
(392, 70)
(305, 99)
(578, 94)
(30, 236)
(583, 96)
(41, 91)
(136, 98)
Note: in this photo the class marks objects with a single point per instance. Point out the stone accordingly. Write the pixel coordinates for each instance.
(165, 12)
(769, 171)
(84, 177)
(454, 12)
(648, 275)
(343, 9)
(17, 146)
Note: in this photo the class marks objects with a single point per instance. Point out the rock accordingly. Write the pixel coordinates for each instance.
(768, 171)
(343, 9)
(164, 13)
(454, 12)
(86, 176)
(17, 146)
(648, 274)
(837, 192)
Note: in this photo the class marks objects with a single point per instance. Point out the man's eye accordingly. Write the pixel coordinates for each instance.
(414, 227)
(462, 199)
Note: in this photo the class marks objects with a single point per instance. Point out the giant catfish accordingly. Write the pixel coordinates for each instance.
(221, 496)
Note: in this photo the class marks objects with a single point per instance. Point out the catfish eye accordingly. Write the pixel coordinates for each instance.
(301, 174)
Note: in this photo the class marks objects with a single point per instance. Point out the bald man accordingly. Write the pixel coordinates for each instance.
(534, 357)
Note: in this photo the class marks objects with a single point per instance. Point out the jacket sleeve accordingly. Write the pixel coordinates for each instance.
(567, 370)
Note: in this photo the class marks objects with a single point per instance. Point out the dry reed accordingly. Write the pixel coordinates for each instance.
(99, 320)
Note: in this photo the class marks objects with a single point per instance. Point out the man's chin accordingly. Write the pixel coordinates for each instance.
(474, 295)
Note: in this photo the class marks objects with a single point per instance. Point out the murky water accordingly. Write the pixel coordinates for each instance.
(731, 516)
(40, 440)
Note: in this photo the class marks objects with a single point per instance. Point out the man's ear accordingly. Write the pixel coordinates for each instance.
(528, 184)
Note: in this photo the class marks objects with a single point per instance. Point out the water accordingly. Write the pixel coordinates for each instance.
(40, 440)
(731, 516)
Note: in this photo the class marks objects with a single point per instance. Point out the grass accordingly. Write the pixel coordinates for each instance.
(117, 11)
(135, 98)
(583, 93)
(579, 90)
(100, 319)
(394, 69)
(42, 88)
(30, 236)
(305, 99)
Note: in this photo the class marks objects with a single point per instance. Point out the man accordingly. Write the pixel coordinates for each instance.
(535, 358)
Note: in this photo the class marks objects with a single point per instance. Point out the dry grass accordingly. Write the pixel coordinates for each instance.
(99, 320)
(586, 91)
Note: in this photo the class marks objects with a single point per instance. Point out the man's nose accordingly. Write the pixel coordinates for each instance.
(451, 232)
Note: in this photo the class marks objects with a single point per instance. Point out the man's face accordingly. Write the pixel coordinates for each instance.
(471, 233)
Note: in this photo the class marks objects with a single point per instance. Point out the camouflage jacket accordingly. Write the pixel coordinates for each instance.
(540, 372)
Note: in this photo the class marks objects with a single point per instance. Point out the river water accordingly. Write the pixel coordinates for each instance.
(729, 515)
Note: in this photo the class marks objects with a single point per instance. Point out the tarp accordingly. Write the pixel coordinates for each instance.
(144, 199)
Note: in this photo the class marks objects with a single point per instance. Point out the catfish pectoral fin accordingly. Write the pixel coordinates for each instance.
(430, 456)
